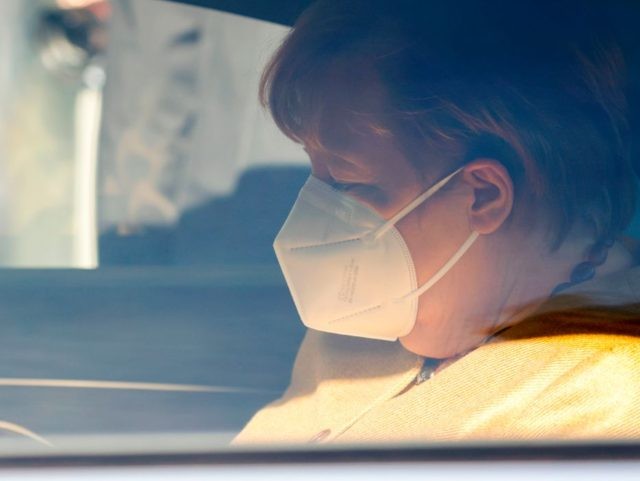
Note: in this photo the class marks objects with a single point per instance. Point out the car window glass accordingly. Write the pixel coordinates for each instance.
(143, 187)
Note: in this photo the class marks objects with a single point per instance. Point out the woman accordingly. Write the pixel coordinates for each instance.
(470, 180)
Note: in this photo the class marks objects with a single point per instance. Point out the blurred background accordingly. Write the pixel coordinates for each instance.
(119, 117)
(141, 187)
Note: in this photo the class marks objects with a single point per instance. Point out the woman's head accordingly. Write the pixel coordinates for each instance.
(388, 97)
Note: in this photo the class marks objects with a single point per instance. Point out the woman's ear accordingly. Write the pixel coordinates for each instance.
(492, 189)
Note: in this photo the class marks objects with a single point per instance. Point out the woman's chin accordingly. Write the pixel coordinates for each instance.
(424, 342)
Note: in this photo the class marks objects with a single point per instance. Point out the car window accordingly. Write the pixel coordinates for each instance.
(143, 187)
(404, 227)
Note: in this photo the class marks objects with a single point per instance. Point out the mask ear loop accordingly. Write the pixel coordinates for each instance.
(384, 228)
(444, 269)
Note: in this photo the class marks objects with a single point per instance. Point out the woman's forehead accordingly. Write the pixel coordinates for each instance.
(368, 159)
(350, 118)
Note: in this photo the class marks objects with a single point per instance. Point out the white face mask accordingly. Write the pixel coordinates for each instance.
(348, 269)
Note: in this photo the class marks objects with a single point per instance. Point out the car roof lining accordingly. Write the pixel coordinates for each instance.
(284, 12)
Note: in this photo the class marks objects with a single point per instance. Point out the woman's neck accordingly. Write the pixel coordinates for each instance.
(540, 275)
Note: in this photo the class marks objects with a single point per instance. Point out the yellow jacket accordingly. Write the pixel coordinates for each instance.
(570, 371)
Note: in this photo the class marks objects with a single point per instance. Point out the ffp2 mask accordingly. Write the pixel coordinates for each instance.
(348, 269)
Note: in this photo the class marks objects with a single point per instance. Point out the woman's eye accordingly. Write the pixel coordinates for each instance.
(354, 188)
(370, 194)
(345, 187)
